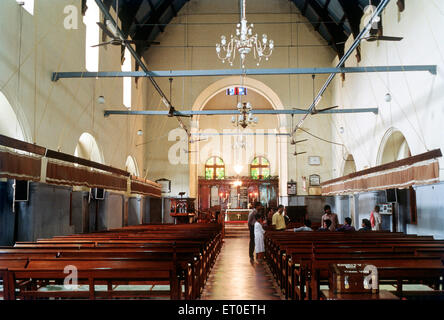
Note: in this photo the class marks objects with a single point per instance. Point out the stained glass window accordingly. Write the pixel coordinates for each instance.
(260, 168)
(215, 168)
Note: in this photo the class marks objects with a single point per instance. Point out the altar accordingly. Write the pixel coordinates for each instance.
(236, 194)
(236, 215)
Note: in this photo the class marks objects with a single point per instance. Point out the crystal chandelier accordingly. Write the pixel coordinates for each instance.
(244, 42)
(240, 143)
(246, 116)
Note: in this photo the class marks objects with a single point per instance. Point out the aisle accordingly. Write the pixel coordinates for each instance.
(233, 277)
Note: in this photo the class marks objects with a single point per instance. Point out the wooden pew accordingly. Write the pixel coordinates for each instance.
(291, 255)
(189, 259)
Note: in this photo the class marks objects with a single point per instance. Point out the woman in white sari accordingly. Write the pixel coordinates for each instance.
(259, 231)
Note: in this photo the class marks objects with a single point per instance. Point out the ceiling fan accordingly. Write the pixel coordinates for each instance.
(375, 32)
(173, 112)
(109, 29)
(198, 140)
(189, 151)
(116, 39)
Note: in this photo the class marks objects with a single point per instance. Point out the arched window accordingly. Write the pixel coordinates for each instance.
(349, 165)
(131, 166)
(28, 5)
(394, 147)
(87, 148)
(126, 66)
(9, 124)
(215, 168)
(260, 168)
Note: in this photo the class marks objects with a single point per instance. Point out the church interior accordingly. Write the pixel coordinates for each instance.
(174, 149)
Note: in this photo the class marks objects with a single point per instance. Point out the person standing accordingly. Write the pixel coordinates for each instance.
(259, 245)
(328, 215)
(278, 220)
(251, 222)
(375, 219)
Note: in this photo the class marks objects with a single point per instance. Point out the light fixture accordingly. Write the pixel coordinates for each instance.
(246, 115)
(244, 41)
(237, 183)
(238, 168)
(101, 99)
(139, 132)
(240, 143)
(388, 97)
(341, 130)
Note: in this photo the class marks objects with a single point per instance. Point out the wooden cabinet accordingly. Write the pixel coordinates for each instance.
(182, 209)
(232, 196)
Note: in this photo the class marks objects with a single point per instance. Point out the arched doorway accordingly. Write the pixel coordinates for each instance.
(261, 97)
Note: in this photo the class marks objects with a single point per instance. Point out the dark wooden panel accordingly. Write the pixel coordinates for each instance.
(21, 145)
(392, 165)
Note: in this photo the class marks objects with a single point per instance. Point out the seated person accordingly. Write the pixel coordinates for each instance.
(306, 227)
(326, 225)
(366, 225)
(347, 226)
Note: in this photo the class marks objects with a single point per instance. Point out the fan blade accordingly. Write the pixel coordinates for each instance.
(198, 140)
(105, 30)
(329, 108)
(174, 113)
(138, 42)
(102, 44)
(183, 115)
(382, 38)
(388, 38)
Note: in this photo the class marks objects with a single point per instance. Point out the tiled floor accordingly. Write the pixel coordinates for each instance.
(233, 277)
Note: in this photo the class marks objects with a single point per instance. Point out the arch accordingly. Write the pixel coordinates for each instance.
(215, 168)
(131, 166)
(9, 121)
(246, 82)
(393, 147)
(87, 148)
(275, 102)
(349, 165)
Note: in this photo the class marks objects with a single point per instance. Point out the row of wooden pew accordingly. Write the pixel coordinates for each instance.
(302, 261)
(177, 258)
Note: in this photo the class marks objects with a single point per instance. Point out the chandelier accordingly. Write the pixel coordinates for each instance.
(244, 42)
(246, 116)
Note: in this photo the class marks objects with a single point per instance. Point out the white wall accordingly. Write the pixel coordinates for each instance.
(55, 114)
(193, 47)
(416, 108)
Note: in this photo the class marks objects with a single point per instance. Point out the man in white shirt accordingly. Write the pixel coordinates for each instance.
(306, 227)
